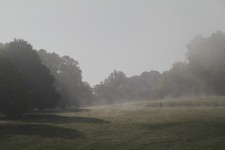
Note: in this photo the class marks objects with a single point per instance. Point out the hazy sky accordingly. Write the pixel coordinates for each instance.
(105, 35)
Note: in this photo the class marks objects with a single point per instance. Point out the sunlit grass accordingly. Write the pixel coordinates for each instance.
(177, 124)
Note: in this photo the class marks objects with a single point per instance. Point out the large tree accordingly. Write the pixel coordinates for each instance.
(206, 58)
(36, 78)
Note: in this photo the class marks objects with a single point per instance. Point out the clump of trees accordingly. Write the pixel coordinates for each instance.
(31, 80)
(25, 83)
(203, 73)
(118, 87)
(111, 88)
(35, 80)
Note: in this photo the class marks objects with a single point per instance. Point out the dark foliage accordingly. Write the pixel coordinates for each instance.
(30, 83)
(13, 91)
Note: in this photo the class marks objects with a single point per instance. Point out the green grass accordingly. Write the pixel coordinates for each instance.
(179, 124)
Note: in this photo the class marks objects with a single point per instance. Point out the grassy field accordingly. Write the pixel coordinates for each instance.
(179, 124)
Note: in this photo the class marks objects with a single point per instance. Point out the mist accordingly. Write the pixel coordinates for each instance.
(104, 36)
(115, 74)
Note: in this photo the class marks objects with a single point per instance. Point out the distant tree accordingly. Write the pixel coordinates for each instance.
(177, 82)
(117, 87)
(33, 77)
(112, 88)
(87, 96)
(115, 84)
(140, 87)
(148, 81)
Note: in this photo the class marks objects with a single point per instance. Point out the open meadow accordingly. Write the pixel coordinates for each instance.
(174, 124)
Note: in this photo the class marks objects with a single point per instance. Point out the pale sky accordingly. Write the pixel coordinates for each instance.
(105, 35)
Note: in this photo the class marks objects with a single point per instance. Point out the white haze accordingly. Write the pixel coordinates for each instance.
(104, 35)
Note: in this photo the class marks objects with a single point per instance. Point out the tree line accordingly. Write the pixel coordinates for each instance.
(201, 74)
(32, 80)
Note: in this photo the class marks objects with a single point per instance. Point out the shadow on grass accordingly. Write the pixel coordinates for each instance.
(40, 130)
(43, 125)
(197, 134)
(213, 128)
(66, 110)
(56, 119)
